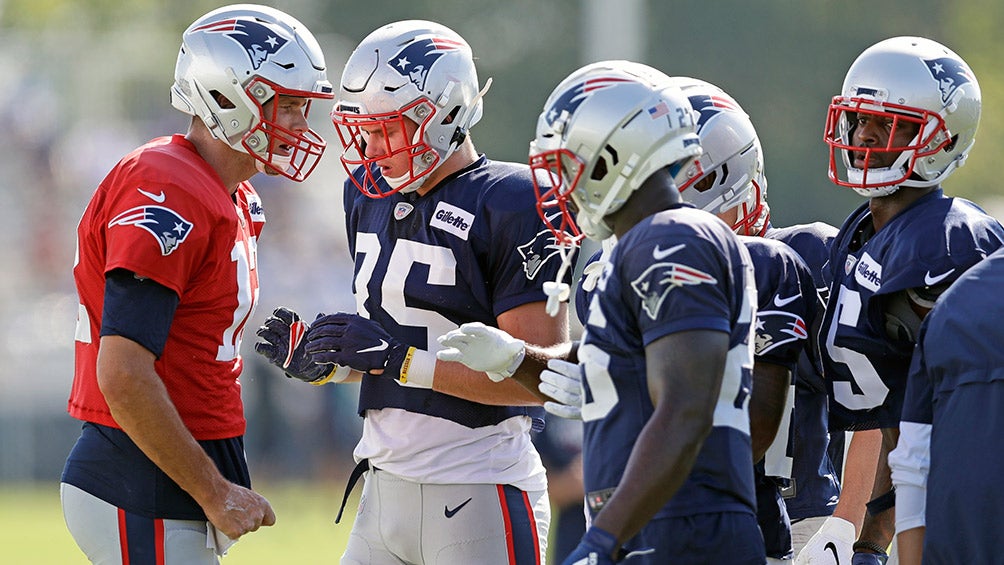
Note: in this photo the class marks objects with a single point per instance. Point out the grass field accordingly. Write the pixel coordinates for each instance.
(32, 530)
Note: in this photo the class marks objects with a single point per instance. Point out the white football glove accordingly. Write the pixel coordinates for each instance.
(832, 543)
(483, 348)
(562, 381)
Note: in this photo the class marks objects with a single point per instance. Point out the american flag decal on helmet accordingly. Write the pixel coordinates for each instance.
(258, 40)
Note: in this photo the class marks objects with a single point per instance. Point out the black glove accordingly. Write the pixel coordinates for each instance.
(353, 341)
(282, 344)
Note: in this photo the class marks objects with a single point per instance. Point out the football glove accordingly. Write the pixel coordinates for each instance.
(869, 559)
(483, 348)
(831, 544)
(600, 547)
(356, 342)
(283, 345)
(562, 381)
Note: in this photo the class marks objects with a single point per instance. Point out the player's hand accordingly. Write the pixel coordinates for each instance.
(483, 348)
(831, 544)
(240, 511)
(282, 344)
(562, 381)
(597, 547)
(353, 341)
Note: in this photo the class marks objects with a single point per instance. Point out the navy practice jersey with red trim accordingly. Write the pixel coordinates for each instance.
(930, 243)
(678, 270)
(815, 482)
(956, 384)
(469, 250)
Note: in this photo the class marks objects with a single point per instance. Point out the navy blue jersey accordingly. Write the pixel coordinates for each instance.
(467, 251)
(786, 302)
(681, 269)
(930, 243)
(815, 486)
(956, 385)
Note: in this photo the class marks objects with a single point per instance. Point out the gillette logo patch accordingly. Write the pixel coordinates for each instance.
(451, 219)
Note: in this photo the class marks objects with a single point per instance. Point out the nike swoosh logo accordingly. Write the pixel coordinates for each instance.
(782, 302)
(660, 254)
(380, 347)
(158, 198)
(931, 281)
(449, 513)
(832, 547)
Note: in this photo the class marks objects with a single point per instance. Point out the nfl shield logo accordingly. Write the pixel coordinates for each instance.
(402, 210)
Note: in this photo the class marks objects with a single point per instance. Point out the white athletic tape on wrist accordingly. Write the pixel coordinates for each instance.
(418, 368)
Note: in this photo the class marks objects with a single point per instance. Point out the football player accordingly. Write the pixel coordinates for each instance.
(945, 467)
(904, 121)
(666, 354)
(166, 276)
(440, 236)
(729, 180)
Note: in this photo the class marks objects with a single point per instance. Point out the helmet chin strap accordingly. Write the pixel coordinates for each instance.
(275, 165)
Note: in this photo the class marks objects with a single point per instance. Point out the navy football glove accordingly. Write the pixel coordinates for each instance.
(353, 341)
(282, 344)
(869, 559)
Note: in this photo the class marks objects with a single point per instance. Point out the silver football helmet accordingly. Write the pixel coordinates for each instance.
(604, 130)
(730, 172)
(251, 54)
(904, 80)
(415, 70)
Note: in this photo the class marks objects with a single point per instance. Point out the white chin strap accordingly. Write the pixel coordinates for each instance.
(890, 174)
(278, 162)
(558, 291)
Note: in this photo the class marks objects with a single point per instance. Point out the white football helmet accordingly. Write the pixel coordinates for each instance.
(416, 70)
(905, 80)
(604, 130)
(730, 172)
(250, 54)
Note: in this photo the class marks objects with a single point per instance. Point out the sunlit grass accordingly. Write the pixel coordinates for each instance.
(32, 530)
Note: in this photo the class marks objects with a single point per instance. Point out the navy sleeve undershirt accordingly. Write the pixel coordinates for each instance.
(138, 309)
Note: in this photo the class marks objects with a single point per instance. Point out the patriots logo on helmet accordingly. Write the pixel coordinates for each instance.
(414, 61)
(538, 251)
(775, 328)
(950, 74)
(710, 106)
(655, 283)
(258, 40)
(570, 99)
(165, 224)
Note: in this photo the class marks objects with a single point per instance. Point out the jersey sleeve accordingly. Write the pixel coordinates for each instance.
(523, 253)
(154, 229)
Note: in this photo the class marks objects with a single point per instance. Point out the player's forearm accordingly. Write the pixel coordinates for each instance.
(858, 476)
(457, 380)
(141, 405)
(659, 464)
(767, 404)
(879, 528)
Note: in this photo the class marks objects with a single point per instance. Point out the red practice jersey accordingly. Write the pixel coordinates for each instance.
(164, 214)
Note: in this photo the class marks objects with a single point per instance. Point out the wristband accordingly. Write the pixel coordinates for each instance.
(870, 546)
(418, 368)
(338, 374)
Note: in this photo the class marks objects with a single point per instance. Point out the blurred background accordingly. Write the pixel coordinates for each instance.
(86, 81)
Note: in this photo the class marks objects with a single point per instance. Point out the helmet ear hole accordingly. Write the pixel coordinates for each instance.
(451, 116)
(600, 170)
(951, 146)
(222, 100)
